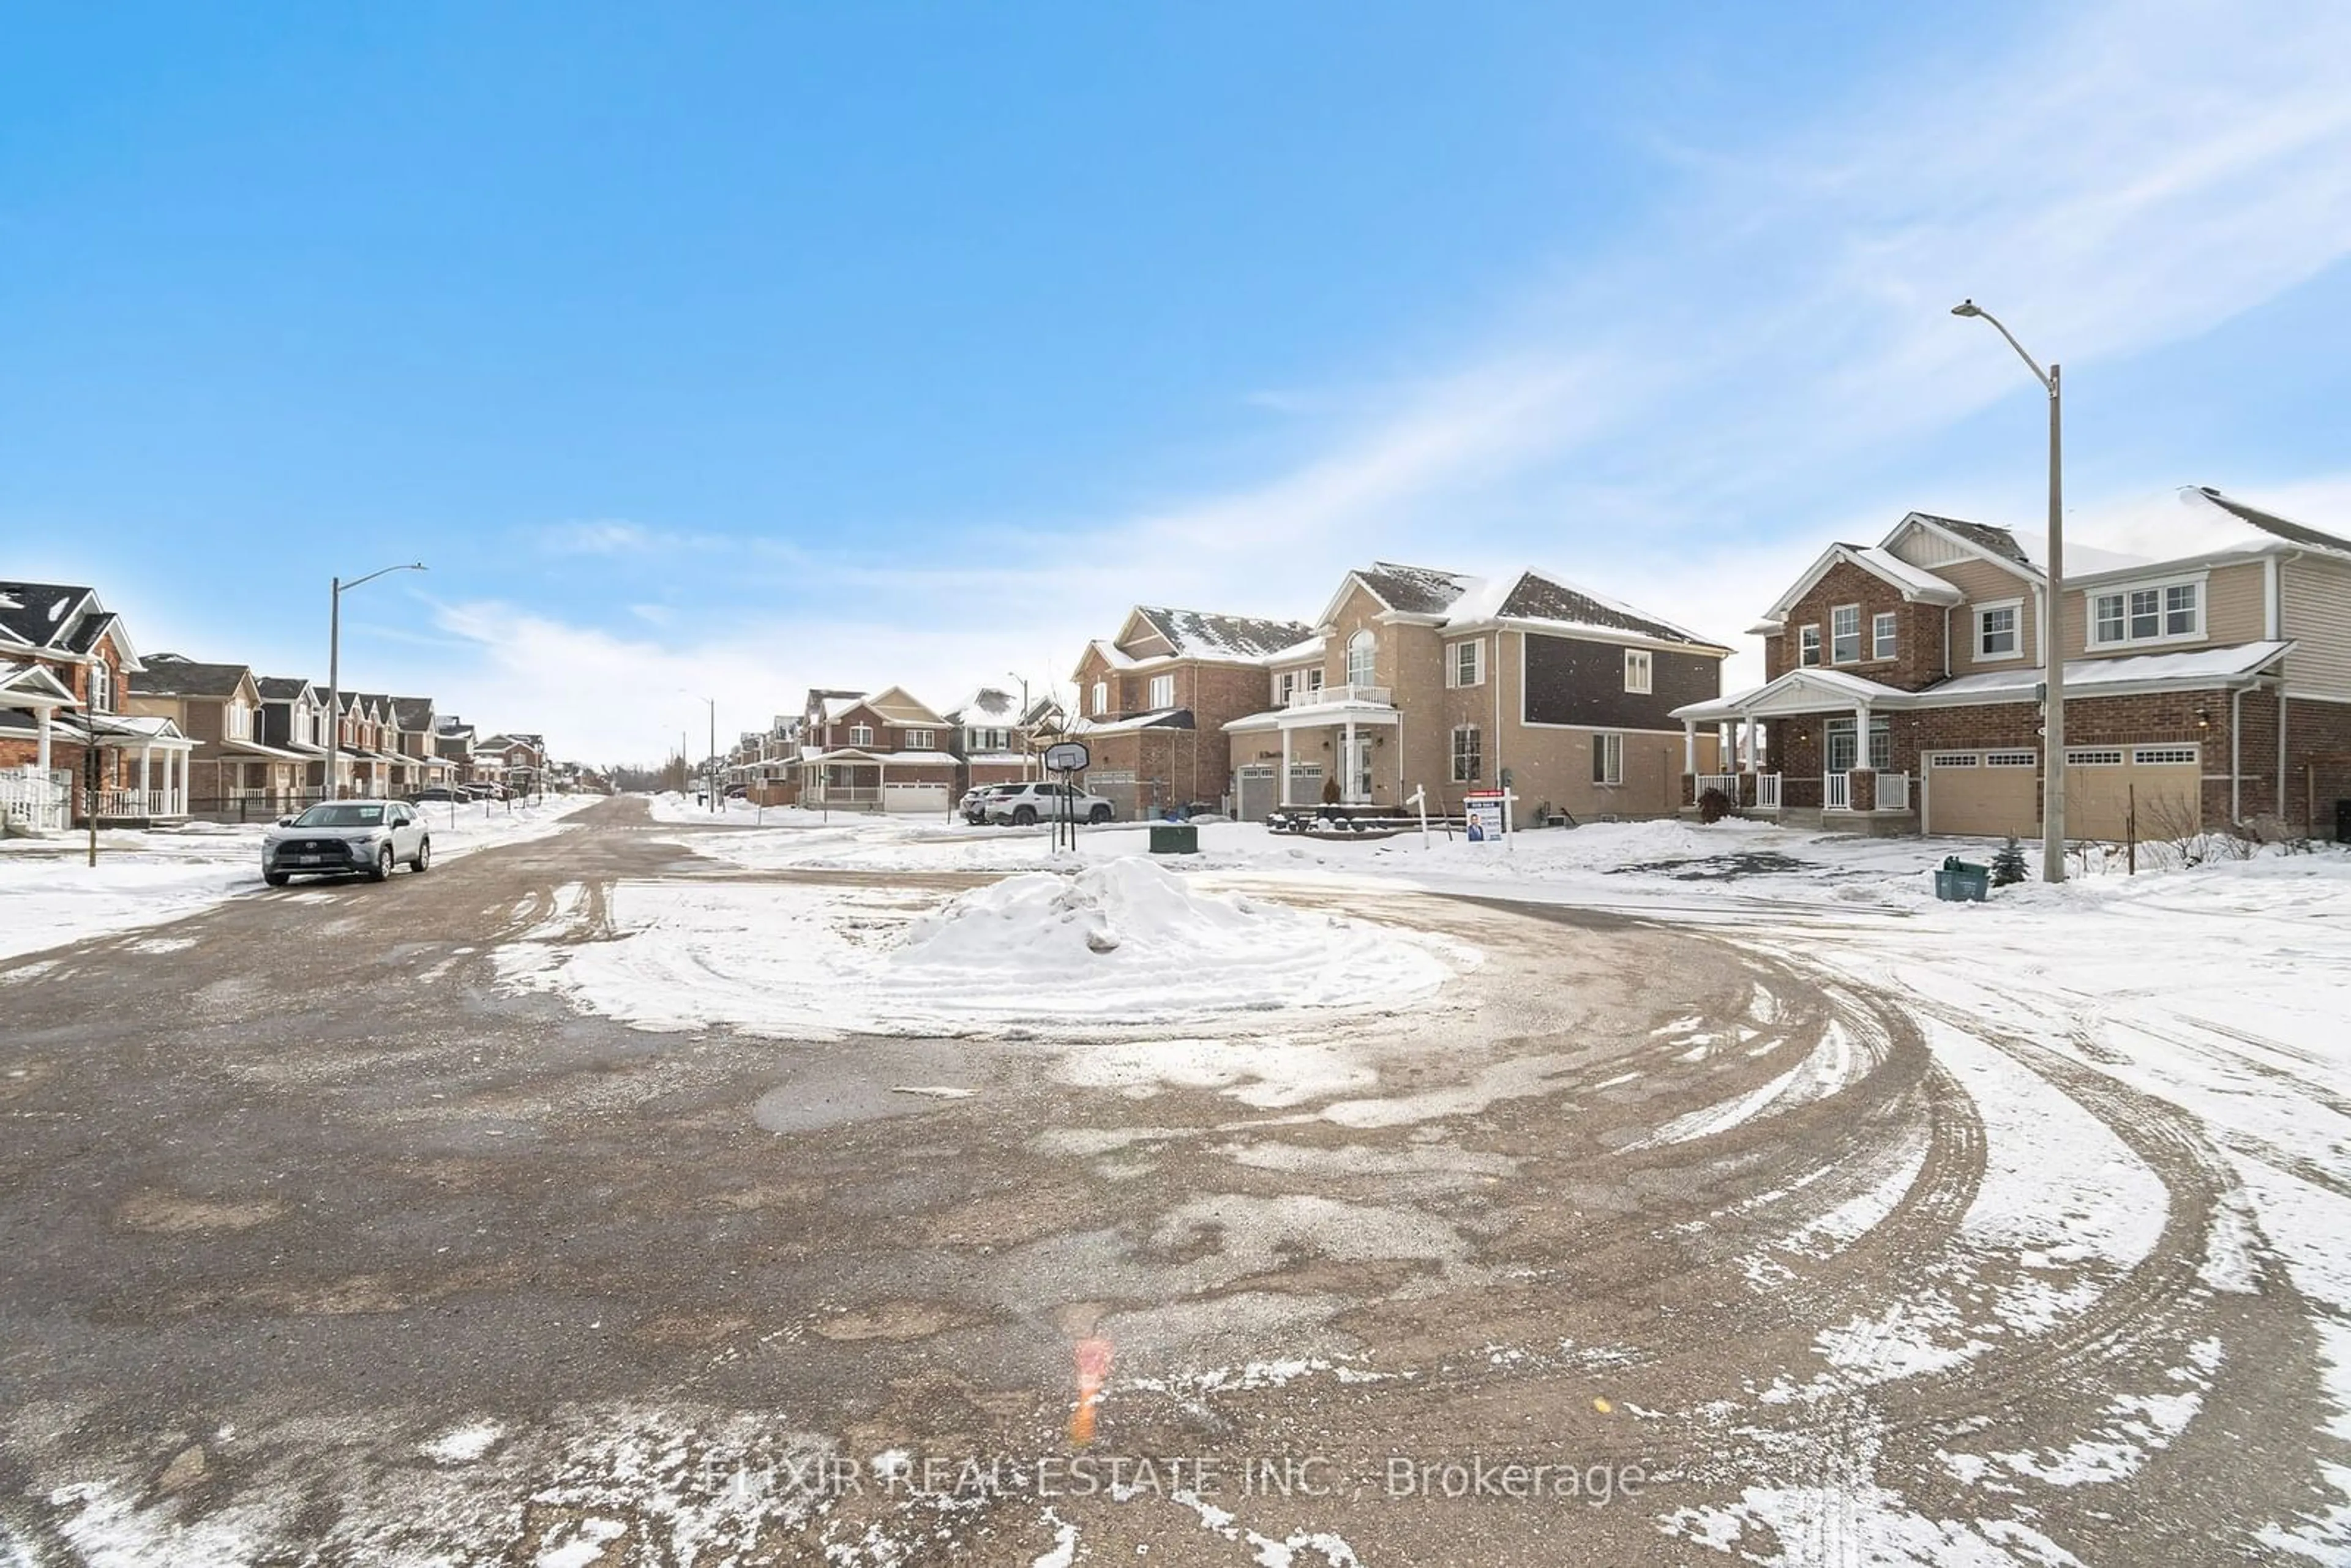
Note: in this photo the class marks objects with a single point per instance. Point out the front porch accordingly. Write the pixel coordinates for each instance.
(1350, 734)
(1823, 717)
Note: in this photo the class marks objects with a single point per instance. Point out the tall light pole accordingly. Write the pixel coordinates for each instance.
(712, 774)
(2052, 618)
(335, 671)
(1028, 752)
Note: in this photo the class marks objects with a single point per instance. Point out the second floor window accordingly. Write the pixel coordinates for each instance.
(1163, 691)
(1284, 685)
(1101, 697)
(1469, 758)
(1361, 660)
(2147, 614)
(1465, 664)
(918, 740)
(1844, 635)
(1997, 636)
(101, 687)
(1882, 634)
(1808, 646)
(1637, 670)
(860, 735)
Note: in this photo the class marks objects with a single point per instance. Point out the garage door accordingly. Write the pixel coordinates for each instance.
(914, 798)
(2104, 786)
(1990, 794)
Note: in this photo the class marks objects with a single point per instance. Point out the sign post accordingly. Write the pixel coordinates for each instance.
(1066, 758)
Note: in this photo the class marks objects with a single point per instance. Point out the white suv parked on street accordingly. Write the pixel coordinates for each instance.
(1023, 805)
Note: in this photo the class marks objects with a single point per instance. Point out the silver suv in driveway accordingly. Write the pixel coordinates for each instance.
(1023, 805)
(335, 837)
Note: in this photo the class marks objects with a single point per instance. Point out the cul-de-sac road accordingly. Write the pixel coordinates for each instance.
(321, 1246)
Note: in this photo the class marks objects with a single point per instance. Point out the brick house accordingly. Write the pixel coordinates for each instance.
(882, 751)
(1904, 680)
(1153, 701)
(1418, 678)
(237, 774)
(66, 743)
(294, 720)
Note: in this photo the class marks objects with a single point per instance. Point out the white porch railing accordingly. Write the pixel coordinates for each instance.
(1727, 783)
(137, 803)
(1836, 791)
(1894, 792)
(40, 800)
(1767, 792)
(1324, 696)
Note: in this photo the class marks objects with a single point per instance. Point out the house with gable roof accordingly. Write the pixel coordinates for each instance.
(1153, 701)
(236, 775)
(1905, 681)
(1419, 678)
(880, 752)
(992, 739)
(66, 745)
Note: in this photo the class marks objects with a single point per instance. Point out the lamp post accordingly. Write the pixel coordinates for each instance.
(1028, 751)
(712, 774)
(2052, 618)
(335, 671)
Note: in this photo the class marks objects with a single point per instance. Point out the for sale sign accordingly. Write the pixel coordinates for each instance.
(1489, 814)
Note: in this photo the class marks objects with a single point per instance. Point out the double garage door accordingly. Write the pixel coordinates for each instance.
(1993, 794)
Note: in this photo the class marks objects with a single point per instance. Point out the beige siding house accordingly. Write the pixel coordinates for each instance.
(1422, 680)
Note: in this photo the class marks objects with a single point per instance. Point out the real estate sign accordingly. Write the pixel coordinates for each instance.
(1489, 814)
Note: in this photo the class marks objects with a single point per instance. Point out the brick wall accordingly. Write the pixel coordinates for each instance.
(1918, 646)
(2318, 762)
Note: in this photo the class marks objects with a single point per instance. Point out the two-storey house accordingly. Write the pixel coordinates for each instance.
(294, 720)
(990, 735)
(882, 751)
(1420, 680)
(1153, 701)
(237, 774)
(1905, 684)
(66, 745)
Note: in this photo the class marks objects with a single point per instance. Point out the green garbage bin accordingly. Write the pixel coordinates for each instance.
(1962, 882)
(1174, 839)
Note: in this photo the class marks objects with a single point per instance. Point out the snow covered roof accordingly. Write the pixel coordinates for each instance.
(284, 688)
(1205, 635)
(1914, 581)
(1159, 719)
(2271, 524)
(40, 614)
(1553, 602)
(1414, 589)
(1814, 687)
(173, 676)
(988, 704)
(1985, 536)
(1312, 648)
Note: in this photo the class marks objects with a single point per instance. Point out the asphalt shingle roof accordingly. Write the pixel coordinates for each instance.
(40, 612)
(170, 675)
(1998, 540)
(1414, 589)
(1200, 633)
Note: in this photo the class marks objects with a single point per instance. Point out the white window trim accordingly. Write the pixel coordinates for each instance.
(1453, 753)
(1892, 640)
(1608, 759)
(1163, 692)
(1836, 610)
(1808, 637)
(918, 740)
(1367, 645)
(1477, 648)
(1101, 698)
(2200, 581)
(860, 735)
(1645, 662)
(2015, 605)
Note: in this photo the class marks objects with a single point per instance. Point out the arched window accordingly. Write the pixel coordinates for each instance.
(1360, 650)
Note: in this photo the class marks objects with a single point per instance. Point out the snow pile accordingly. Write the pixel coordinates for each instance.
(1128, 906)
(1111, 947)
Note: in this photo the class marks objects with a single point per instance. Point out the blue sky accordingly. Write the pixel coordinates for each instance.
(725, 353)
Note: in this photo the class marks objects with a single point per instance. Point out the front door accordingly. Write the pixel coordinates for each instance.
(1355, 766)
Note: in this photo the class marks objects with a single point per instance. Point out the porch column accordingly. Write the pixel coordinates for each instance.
(1282, 793)
(1689, 746)
(1349, 785)
(41, 724)
(1747, 745)
(146, 800)
(1864, 778)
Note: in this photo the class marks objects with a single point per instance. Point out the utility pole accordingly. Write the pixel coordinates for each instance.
(337, 587)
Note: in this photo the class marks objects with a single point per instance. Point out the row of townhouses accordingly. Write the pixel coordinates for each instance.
(1903, 694)
(90, 726)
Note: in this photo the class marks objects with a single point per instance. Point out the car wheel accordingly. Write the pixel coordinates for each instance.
(1024, 816)
(423, 861)
(275, 878)
(382, 872)
(1098, 815)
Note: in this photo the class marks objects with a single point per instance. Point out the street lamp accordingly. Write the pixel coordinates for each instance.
(335, 671)
(1028, 752)
(2053, 619)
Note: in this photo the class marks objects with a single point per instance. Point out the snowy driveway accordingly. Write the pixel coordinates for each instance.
(1766, 1225)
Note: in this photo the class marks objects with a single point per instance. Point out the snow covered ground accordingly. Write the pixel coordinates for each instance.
(51, 895)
